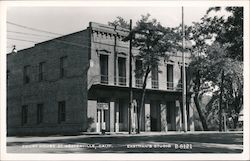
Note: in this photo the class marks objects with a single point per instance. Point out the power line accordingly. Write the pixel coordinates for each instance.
(25, 33)
(31, 28)
(22, 40)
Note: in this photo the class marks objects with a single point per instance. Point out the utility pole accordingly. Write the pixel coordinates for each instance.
(183, 75)
(221, 99)
(130, 80)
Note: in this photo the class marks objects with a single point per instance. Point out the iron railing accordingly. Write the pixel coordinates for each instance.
(155, 83)
(122, 81)
(138, 82)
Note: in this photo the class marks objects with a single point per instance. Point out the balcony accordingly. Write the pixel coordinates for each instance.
(174, 86)
(104, 79)
(155, 84)
(138, 82)
(122, 81)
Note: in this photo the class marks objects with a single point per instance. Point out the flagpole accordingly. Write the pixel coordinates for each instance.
(183, 75)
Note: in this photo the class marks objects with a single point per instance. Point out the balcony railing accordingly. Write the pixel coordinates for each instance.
(138, 82)
(104, 79)
(155, 83)
(122, 81)
(174, 86)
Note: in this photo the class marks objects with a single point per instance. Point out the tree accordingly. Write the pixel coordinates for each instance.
(232, 31)
(119, 22)
(225, 75)
(153, 42)
(224, 36)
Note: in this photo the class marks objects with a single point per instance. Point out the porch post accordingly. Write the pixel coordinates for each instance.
(178, 118)
(117, 117)
(112, 116)
(147, 117)
(163, 114)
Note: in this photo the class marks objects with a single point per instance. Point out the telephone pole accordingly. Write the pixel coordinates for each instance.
(183, 74)
(130, 80)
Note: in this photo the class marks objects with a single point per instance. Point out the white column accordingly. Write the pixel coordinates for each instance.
(98, 127)
(163, 112)
(178, 116)
(147, 117)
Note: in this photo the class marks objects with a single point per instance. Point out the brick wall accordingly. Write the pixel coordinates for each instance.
(72, 88)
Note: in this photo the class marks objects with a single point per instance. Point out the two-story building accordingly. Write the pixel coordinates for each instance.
(80, 82)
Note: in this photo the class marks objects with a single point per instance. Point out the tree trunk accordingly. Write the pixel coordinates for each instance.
(142, 100)
(203, 120)
(196, 101)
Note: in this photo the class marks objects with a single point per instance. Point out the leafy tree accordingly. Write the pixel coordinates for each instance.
(208, 37)
(153, 42)
(119, 22)
(230, 30)
(212, 67)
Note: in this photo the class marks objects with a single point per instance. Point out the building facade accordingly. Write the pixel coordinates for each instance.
(80, 83)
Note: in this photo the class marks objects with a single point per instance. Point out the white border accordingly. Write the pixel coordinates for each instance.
(114, 156)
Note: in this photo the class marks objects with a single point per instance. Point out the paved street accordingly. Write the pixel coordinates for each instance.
(198, 142)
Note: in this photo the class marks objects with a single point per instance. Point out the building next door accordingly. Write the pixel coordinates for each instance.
(102, 117)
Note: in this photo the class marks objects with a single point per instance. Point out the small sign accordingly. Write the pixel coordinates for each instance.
(104, 106)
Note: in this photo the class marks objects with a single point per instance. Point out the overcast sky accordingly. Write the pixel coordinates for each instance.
(65, 20)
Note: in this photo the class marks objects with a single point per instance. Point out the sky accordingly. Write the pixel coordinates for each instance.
(65, 20)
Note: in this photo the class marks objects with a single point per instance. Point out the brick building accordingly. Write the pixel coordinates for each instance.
(79, 82)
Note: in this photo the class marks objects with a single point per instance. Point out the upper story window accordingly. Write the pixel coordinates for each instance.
(155, 77)
(26, 74)
(61, 111)
(138, 79)
(41, 71)
(63, 64)
(24, 114)
(104, 68)
(40, 111)
(122, 71)
(170, 76)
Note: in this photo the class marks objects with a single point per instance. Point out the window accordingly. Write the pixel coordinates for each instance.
(138, 68)
(155, 82)
(41, 71)
(170, 75)
(63, 66)
(39, 113)
(26, 74)
(61, 112)
(104, 68)
(122, 71)
(24, 114)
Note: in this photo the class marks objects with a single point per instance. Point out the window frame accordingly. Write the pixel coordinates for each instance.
(24, 115)
(61, 112)
(40, 113)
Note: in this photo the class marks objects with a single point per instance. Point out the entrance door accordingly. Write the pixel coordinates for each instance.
(155, 120)
(102, 117)
(101, 120)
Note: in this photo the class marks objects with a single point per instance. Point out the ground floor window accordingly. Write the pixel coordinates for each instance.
(39, 113)
(61, 111)
(24, 114)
